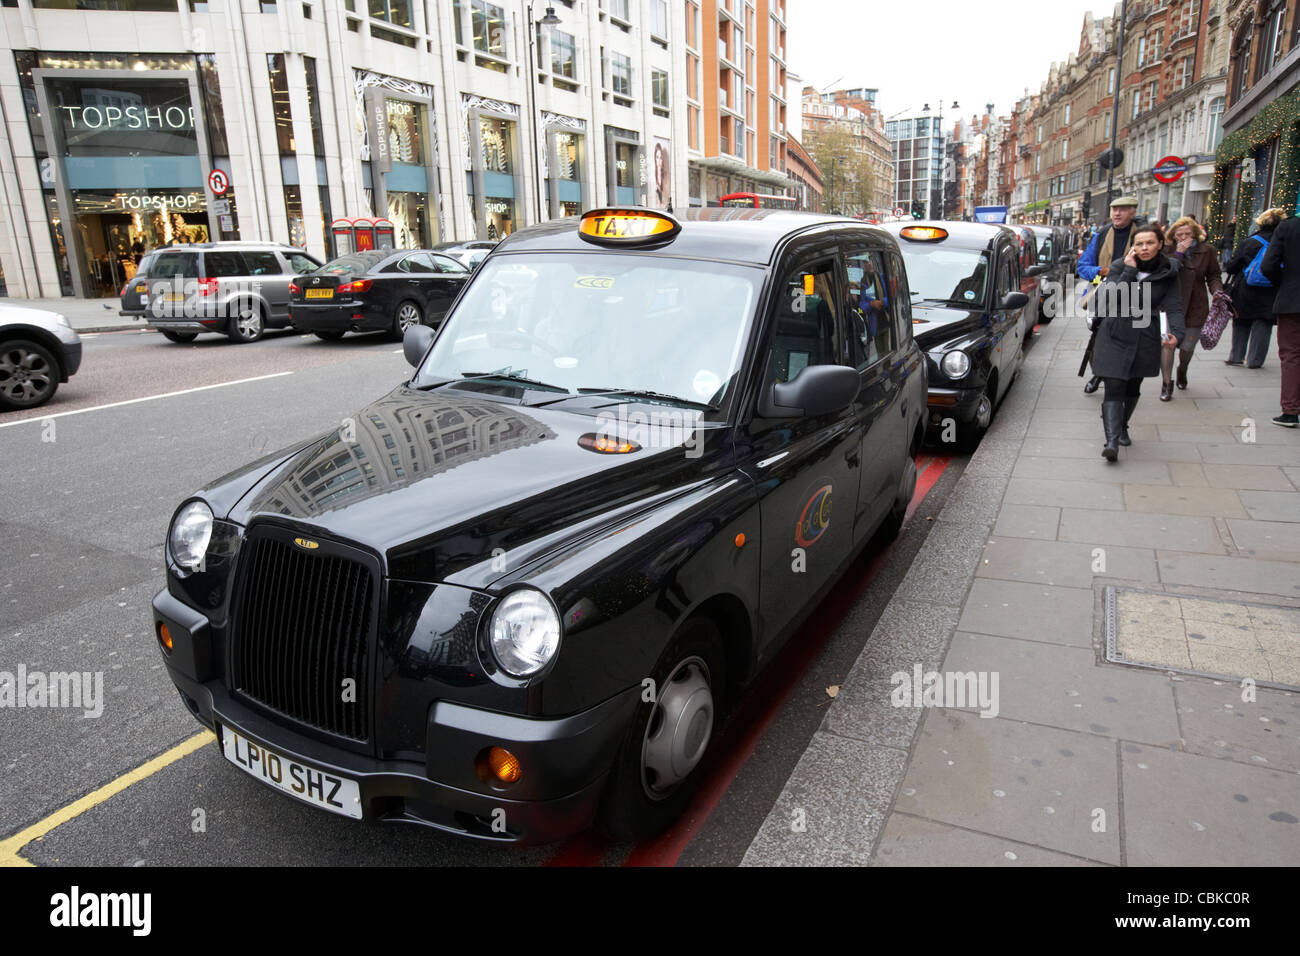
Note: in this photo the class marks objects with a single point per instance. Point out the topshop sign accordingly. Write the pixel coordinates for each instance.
(129, 117)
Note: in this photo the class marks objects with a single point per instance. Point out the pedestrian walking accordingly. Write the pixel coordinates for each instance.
(1138, 315)
(1281, 266)
(1109, 243)
(1252, 329)
(1198, 279)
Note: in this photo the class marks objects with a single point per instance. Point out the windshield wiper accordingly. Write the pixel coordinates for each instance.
(507, 374)
(645, 393)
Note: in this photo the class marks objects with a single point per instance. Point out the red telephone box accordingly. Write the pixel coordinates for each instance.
(384, 234)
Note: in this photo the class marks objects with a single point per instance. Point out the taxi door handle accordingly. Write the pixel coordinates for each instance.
(852, 456)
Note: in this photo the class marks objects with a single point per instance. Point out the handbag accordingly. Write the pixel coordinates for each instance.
(1221, 313)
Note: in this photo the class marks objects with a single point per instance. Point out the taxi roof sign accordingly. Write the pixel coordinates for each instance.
(923, 233)
(627, 227)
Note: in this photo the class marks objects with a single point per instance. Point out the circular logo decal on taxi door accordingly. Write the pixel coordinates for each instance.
(816, 517)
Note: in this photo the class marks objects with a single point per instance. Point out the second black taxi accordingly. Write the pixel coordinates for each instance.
(969, 315)
(519, 593)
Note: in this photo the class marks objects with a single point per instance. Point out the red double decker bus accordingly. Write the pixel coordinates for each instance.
(758, 201)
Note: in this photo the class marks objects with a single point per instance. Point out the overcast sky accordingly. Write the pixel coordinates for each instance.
(916, 51)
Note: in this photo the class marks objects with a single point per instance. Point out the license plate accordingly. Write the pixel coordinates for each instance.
(317, 787)
(175, 297)
(319, 294)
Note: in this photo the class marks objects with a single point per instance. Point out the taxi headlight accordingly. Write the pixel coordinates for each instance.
(190, 534)
(955, 364)
(525, 632)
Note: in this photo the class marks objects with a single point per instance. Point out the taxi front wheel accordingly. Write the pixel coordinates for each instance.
(656, 771)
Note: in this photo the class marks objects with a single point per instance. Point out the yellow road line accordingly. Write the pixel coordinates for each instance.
(10, 847)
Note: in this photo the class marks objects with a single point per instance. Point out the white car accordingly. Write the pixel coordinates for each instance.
(38, 350)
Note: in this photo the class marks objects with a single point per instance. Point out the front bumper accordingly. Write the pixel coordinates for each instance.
(565, 760)
(959, 404)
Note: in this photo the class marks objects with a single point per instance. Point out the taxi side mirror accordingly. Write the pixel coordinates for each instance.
(1036, 270)
(416, 342)
(1064, 260)
(1014, 300)
(816, 390)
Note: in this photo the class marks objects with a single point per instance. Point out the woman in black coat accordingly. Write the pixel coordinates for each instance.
(1253, 326)
(1129, 304)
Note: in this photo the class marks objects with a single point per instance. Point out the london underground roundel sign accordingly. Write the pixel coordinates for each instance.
(1169, 170)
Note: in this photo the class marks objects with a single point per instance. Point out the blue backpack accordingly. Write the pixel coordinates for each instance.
(1253, 275)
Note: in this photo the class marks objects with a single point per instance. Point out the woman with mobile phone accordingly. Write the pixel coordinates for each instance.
(1139, 296)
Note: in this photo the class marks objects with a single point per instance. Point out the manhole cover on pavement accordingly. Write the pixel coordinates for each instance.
(1209, 637)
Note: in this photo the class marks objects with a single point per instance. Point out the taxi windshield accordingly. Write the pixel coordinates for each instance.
(596, 321)
(942, 273)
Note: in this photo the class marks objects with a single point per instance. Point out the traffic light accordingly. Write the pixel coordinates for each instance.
(1086, 207)
(917, 214)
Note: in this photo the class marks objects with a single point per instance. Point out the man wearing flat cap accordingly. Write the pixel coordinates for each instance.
(1110, 242)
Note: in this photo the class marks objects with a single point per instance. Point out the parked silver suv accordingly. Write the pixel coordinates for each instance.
(238, 288)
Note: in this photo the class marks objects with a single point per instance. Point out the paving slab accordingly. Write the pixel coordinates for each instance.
(1168, 451)
(940, 574)
(1069, 564)
(1094, 469)
(1183, 809)
(1181, 532)
(1066, 687)
(1217, 722)
(1038, 785)
(1063, 493)
(1181, 433)
(1188, 475)
(833, 806)
(1251, 575)
(1271, 540)
(1250, 454)
(1028, 521)
(915, 841)
(1250, 477)
(1089, 431)
(864, 710)
(1271, 505)
(908, 632)
(1035, 612)
(975, 500)
(1182, 500)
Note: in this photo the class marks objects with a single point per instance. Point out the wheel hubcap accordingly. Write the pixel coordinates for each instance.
(984, 414)
(679, 729)
(407, 317)
(250, 323)
(24, 375)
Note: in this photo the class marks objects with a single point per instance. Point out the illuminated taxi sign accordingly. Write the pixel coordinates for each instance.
(923, 233)
(627, 227)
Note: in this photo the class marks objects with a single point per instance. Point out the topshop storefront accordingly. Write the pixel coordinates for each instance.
(124, 145)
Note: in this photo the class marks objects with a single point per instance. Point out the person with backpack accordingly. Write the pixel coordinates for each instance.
(1109, 243)
(1252, 328)
(1281, 266)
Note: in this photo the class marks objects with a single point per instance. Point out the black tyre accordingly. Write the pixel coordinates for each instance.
(247, 324)
(29, 375)
(331, 336)
(408, 314)
(893, 523)
(1043, 317)
(656, 771)
(970, 433)
(181, 337)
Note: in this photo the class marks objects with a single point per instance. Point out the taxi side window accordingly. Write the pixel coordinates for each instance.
(869, 307)
(805, 331)
(901, 299)
(1006, 276)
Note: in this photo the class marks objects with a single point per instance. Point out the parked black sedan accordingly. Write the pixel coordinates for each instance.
(380, 290)
(968, 316)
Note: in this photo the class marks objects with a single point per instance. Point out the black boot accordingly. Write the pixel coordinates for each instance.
(1130, 403)
(1167, 392)
(1093, 384)
(1112, 420)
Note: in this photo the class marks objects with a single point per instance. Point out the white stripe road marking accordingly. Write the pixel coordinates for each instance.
(147, 398)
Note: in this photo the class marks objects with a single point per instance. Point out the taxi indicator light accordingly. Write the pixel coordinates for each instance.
(164, 637)
(607, 444)
(923, 233)
(627, 227)
(498, 765)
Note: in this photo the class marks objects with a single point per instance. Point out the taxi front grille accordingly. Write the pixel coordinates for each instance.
(300, 635)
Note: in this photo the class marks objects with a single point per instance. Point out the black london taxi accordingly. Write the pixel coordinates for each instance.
(968, 315)
(519, 593)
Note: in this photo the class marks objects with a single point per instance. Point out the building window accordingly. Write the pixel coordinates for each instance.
(659, 89)
(563, 54)
(693, 127)
(1241, 61)
(1110, 81)
(659, 18)
(313, 108)
(620, 74)
(1270, 42)
(396, 12)
(489, 26)
(280, 104)
(616, 8)
(1067, 114)
(498, 146)
(1183, 73)
(1216, 124)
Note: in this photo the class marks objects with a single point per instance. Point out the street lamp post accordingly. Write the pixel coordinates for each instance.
(1114, 106)
(534, 114)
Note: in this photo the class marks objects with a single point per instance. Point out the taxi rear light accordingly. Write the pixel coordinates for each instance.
(357, 285)
(627, 227)
(607, 444)
(923, 233)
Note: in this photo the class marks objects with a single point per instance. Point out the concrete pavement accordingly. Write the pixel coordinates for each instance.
(1134, 629)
